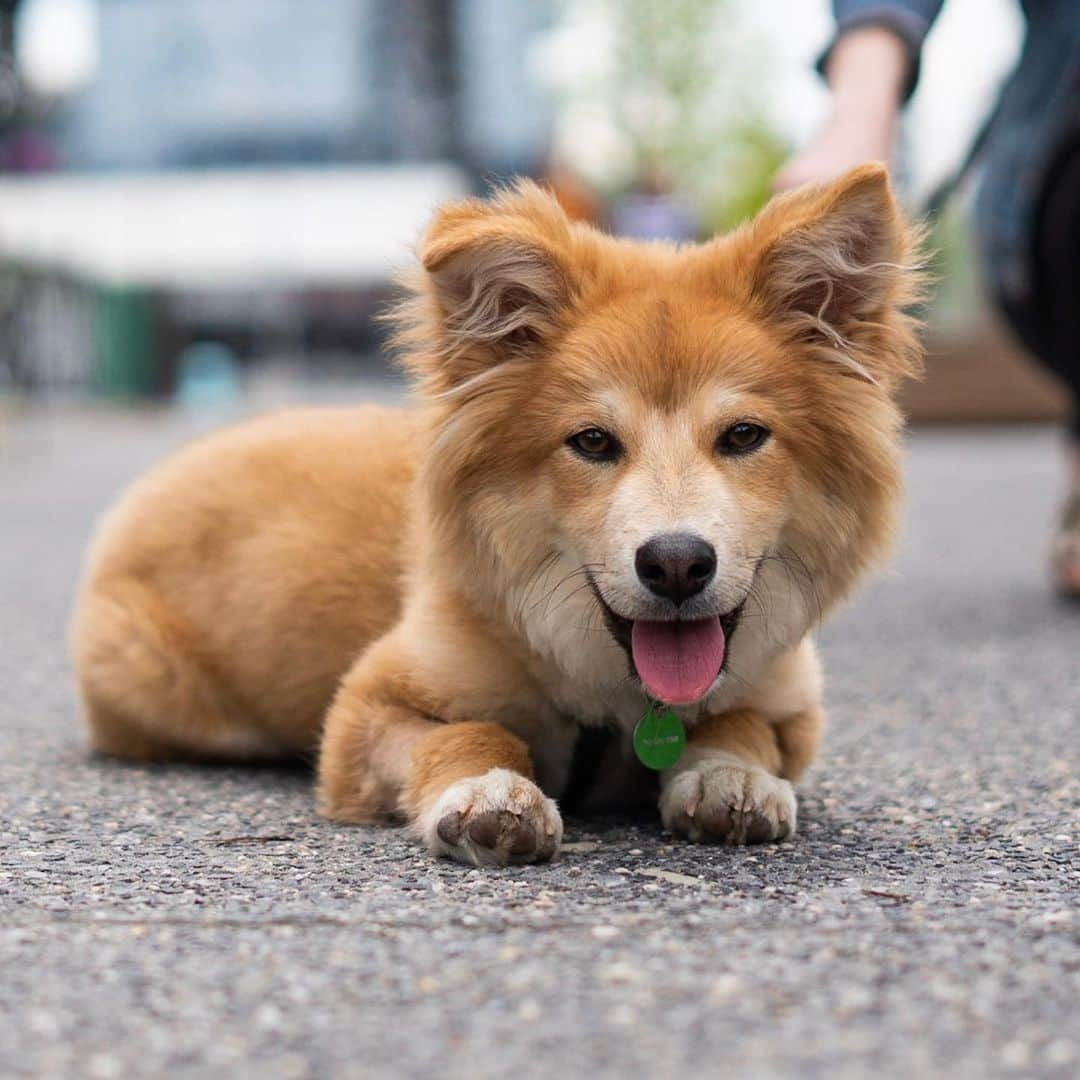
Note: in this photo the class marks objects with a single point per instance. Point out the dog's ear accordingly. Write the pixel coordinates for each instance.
(839, 265)
(494, 283)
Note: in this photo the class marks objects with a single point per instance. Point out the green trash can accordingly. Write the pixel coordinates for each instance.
(127, 357)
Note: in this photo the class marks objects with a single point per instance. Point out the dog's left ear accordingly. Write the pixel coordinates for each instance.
(495, 278)
(839, 264)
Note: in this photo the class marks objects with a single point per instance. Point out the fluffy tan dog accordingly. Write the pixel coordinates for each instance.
(633, 473)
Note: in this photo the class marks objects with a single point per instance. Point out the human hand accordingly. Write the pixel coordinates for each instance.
(842, 143)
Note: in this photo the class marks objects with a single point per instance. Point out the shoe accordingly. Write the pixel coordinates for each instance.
(1065, 550)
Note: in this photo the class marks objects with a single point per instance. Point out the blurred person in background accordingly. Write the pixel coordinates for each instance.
(1027, 211)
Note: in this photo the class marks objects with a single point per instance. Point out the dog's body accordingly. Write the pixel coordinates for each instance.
(632, 472)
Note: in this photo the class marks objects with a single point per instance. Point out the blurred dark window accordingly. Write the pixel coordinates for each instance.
(211, 82)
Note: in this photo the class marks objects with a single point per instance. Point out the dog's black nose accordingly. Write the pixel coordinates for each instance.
(675, 565)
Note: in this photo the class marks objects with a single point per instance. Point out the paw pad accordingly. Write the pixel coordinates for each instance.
(725, 801)
(496, 819)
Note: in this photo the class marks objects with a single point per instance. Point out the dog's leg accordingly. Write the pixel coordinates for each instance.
(466, 788)
(733, 782)
(799, 737)
(148, 692)
(470, 795)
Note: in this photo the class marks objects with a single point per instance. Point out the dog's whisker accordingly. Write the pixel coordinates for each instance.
(585, 570)
(802, 579)
(532, 581)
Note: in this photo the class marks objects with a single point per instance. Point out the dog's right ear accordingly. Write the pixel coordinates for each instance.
(493, 287)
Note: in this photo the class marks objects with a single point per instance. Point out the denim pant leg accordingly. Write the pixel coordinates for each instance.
(1030, 260)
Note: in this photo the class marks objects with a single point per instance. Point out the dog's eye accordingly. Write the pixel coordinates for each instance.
(594, 443)
(741, 438)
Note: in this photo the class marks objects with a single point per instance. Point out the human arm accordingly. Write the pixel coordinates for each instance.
(871, 68)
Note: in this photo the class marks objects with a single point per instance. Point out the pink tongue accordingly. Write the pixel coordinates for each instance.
(678, 661)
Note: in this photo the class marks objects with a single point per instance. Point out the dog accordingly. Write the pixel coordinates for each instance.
(634, 479)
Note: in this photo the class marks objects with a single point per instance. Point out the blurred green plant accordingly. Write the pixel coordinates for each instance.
(674, 93)
(685, 81)
(956, 292)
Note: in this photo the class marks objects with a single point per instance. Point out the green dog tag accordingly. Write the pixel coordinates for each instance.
(659, 737)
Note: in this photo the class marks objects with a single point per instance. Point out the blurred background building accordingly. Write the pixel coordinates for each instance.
(193, 189)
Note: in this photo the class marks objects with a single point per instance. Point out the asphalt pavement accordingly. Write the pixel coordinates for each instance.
(203, 922)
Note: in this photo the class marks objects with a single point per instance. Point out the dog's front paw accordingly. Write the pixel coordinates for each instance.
(493, 820)
(721, 799)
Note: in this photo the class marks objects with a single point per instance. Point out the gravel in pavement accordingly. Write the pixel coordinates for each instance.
(203, 922)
